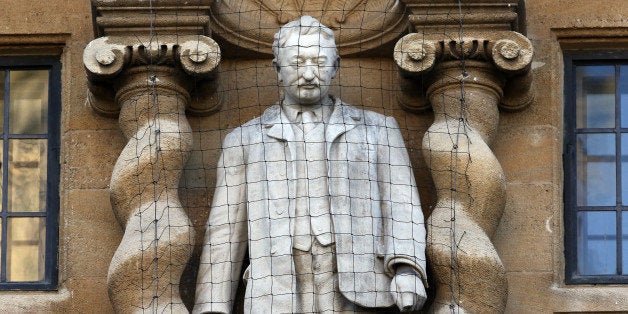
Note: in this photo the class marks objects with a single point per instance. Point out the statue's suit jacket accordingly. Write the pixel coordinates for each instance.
(375, 211)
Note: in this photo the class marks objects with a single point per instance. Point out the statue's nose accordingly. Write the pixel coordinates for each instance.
(308, 73)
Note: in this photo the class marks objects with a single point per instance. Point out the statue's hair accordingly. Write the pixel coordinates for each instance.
(305, 25)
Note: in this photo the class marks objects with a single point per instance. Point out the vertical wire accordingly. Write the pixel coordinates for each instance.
(154, 105)
(461, 127)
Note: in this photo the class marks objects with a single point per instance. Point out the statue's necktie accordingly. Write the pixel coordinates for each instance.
(308, 121)
(313, 216)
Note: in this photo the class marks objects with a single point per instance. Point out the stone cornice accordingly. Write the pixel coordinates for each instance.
(129, 17)
(595, 38)
(436, 15)
(33, 44)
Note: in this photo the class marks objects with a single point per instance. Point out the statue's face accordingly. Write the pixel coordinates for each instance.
(307, 64)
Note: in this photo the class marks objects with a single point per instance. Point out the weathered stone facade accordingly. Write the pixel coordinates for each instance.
(527, 143)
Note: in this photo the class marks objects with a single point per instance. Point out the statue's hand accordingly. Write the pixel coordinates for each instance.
(407, 289)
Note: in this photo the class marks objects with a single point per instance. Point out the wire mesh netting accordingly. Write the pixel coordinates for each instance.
(286, 199)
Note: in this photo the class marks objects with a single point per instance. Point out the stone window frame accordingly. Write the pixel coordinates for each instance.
(573, 58)
(53, 136)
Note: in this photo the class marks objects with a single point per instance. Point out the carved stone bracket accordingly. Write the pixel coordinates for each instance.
(152, 64)
(465, 62)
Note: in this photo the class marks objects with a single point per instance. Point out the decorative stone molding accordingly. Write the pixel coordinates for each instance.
(436, 16)
(149, 78)
(175, 17)
(465, 62)
(359, 25)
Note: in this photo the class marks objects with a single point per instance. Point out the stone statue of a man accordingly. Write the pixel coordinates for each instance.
(322, 196)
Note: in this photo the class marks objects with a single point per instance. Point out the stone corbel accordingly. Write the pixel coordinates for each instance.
(465, 62)
(151, 65)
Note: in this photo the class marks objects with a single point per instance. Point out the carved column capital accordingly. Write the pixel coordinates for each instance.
(507, 53)
(107, 59)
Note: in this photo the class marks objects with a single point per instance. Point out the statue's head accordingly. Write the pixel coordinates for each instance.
(306, 60)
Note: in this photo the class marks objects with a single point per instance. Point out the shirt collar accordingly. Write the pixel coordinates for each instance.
(322, 111)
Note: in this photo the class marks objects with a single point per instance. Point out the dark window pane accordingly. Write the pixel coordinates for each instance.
(1, 173)
(624, 244)
(2, 80)
(596, 170)
(624, 169)
(26, 238)
(1, 240)
(597, 246)
(595, 96)
(29, 102)
(623, 94)
(27, 175)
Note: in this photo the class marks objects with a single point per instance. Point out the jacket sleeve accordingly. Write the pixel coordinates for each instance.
(226, 235)
(403, 222)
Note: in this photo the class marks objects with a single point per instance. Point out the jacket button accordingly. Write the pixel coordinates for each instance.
(273, 251)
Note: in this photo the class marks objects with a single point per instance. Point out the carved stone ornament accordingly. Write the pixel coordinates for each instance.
(358, 25)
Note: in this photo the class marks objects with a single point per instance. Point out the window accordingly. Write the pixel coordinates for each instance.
(596, 168)
(29, 156)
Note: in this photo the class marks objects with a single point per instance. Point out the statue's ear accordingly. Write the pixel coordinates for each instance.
(278, 69)
(276, 65)
(336, 65)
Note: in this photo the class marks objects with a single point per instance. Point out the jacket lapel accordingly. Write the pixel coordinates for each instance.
(343, 119)
(278, 128)
(277, 125)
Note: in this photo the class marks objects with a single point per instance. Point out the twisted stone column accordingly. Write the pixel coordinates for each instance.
(158, 236)
(150, 82)
(463, 80)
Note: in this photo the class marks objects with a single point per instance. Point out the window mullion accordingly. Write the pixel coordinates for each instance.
(5, 172)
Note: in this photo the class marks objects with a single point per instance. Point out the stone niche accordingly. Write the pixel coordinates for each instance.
(400, 58)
